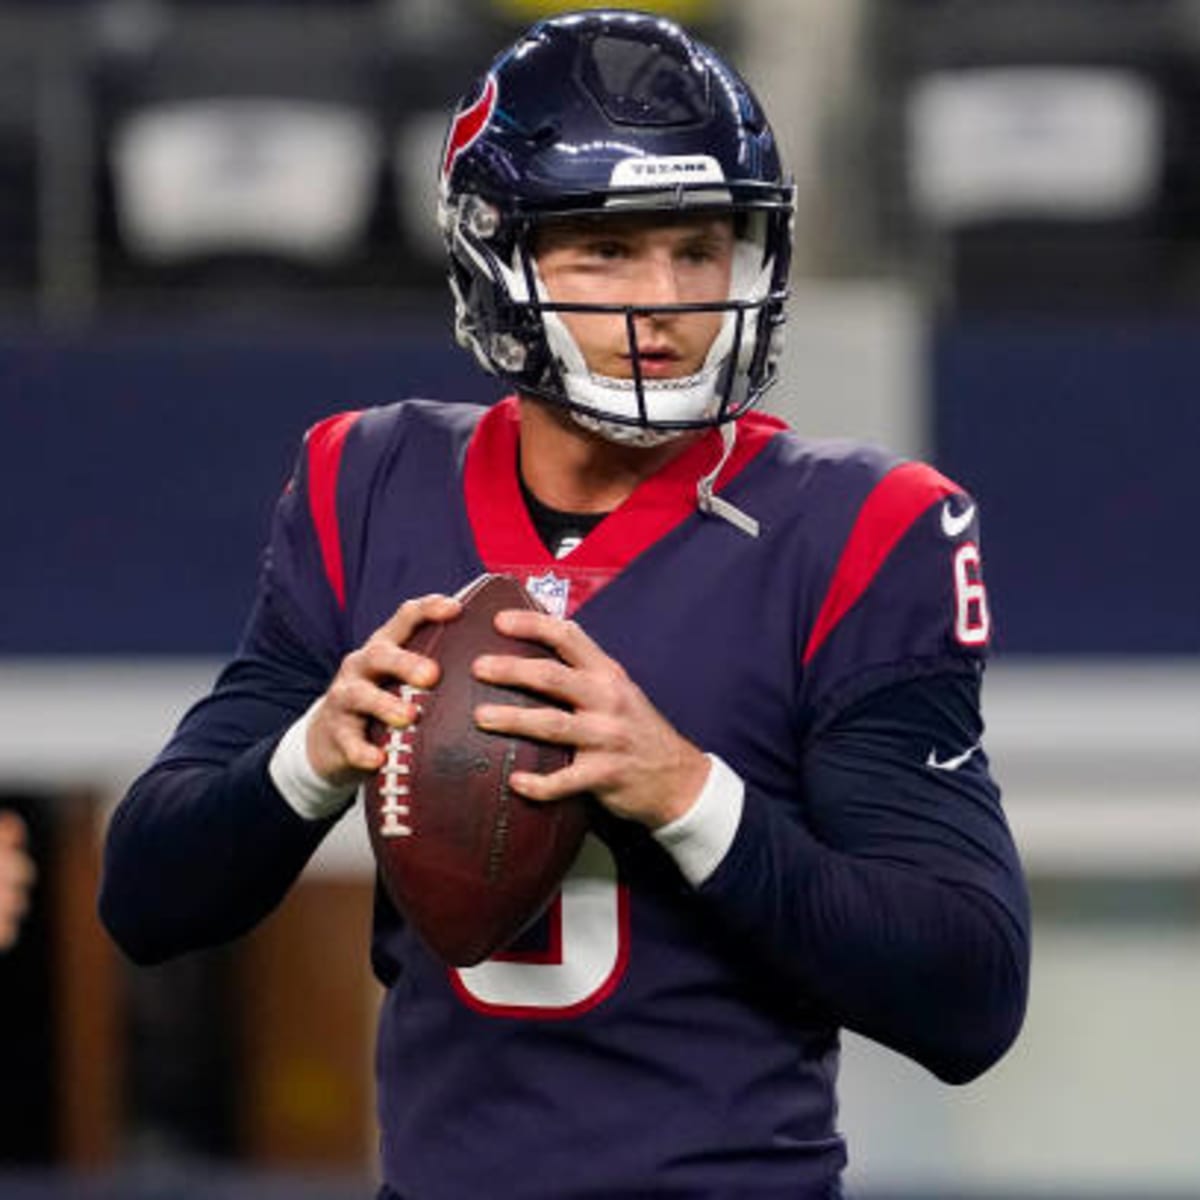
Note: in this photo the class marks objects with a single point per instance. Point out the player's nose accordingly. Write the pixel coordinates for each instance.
(657, 280)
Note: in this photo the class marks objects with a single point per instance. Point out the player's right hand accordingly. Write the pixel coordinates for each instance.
(337, 743)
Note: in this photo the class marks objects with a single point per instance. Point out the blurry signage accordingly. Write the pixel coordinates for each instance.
(1057, 142)
(225, 175)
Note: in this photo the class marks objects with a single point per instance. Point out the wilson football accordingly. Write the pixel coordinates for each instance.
(467, 861)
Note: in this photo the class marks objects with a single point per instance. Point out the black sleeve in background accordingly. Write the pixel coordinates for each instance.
(203, 846)
(898, 902)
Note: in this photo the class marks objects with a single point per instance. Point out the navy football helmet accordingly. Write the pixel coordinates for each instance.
(613, 112)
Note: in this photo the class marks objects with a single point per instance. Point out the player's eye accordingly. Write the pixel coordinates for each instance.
(699, 252)
(607, 250)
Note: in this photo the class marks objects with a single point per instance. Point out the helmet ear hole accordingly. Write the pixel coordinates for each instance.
(605, 112)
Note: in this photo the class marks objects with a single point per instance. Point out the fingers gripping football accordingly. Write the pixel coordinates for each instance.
(626, 752)
(338, 746)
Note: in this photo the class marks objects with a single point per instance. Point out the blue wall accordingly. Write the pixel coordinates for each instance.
(1083, 442)
(139, 472)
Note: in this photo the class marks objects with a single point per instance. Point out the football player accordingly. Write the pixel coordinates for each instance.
(771, 650)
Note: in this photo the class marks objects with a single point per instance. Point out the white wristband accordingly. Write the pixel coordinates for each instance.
(701, 838)
(312, 796)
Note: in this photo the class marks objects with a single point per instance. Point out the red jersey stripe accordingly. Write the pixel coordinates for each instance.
(504, 532)
(324, 444)
(887, 514)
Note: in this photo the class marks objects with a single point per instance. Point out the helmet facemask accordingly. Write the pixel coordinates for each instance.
(495, 271)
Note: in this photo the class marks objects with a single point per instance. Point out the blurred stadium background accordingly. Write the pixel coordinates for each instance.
(216, 225)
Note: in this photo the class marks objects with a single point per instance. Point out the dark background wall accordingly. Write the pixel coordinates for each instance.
(1081, 439)
(140, 471)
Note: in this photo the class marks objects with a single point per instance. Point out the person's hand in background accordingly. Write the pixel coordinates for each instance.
(17, 874)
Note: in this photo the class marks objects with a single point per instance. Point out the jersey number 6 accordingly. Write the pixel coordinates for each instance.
(972, 621)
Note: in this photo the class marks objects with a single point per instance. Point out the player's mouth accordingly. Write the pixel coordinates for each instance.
(657, 362)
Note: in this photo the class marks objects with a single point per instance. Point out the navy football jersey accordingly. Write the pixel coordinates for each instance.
(646, 1036)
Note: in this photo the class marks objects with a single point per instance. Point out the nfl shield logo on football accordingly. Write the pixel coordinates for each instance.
(550, 591)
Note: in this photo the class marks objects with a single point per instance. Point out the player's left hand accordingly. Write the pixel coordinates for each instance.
(627, 754)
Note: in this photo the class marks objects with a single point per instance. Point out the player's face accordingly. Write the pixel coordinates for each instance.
(639, 260)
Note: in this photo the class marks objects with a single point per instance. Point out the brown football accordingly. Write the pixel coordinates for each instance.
(467, 861)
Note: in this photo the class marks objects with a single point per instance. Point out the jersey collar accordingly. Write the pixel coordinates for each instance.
(504, 532)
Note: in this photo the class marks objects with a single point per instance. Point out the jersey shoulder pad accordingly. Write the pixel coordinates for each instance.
(350, 454)
(900, 587)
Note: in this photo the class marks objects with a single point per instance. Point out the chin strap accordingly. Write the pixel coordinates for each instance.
(713, 505)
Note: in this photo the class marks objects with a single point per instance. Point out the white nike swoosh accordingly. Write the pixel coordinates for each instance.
(950, 764)
(952, 524)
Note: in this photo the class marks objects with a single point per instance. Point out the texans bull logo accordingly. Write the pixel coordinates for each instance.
(469, 124)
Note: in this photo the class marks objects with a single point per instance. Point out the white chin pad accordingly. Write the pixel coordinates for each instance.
(624, 435)
(689, 398)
